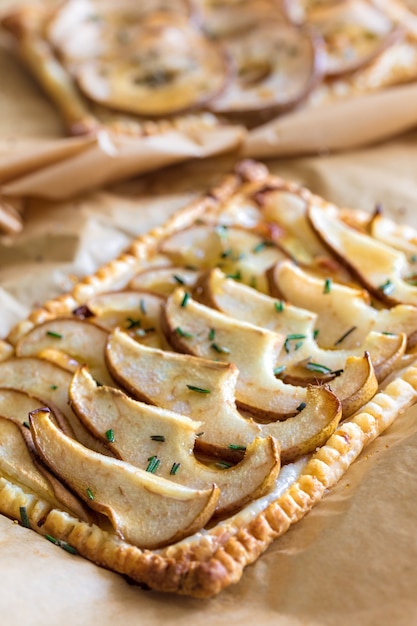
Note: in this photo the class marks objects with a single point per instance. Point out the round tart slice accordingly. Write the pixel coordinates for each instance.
(167, 66)
(276, 66)
(355, 33)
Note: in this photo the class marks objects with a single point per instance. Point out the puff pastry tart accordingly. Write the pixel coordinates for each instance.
(185, 405)
(143, 68)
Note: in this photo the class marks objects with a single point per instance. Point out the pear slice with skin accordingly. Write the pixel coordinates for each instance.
(137, 432)
(163, 280)
(377, 266)
(207, 333)
(50, 383)
(238, 252)
(399, 236)
(161, 378)
(137, 312)
(301, 361)
(144, 509)
(70, 342)
(19, 464)
(344, 313)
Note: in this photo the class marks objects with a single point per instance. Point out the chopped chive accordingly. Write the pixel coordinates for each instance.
(51, 333)
(236, 276)
(388, 333)
(183, 333)
(52, 539)
(226, 253)
(294, 337)
(143, 306)
(298, 345)
(346, 334)
(279, 306)
(223, 465)
(387, 287)
(110, 435)
(185, 299)
(90, 494)
(24, 517)
(200, 434)
(178, 279)
(315, 333)
(279, 370)
(132, 323)
(211, 334)
(413, 258)
(301, 406)
(157, 437)
(174, 469)
(26, 425)
(53, 387)
(153, 464)
(318, 367)
(327, 285)
(259, 246)
(66, 546)
(234, 446)
(98, 383)
(220, 349)
(198, 389)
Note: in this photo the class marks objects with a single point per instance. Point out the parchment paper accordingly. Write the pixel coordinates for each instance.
(352, 560)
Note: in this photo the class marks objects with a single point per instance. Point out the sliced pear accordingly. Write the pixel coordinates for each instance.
(311, 428)
(163, 280)
(137, 312)
(144, 509)
(17, 463)
(139, 432)
(209, 334)
(69, 342)
(50, 383)
(399, 236)
(378, 267)
(344, 313)
(161, 378)
(239, 253)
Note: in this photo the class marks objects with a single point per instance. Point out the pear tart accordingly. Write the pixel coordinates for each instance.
(144, 68)
(185, 405)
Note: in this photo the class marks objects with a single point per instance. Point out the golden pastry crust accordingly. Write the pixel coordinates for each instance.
(203, 564)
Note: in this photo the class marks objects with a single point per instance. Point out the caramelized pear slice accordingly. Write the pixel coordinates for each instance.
(137, 432)
(355, 33)
(18, 464)
(144, 509)
(69, 343)
(163, 280)
(344, 313)
(378, 267)
(207, 333)
(358, 385)
(399, 236)
(168, 66)
(228, 19)
(137, 312)
(311, 428)
(50, 383)
(162, 378)
(239, 253)
(277, 65)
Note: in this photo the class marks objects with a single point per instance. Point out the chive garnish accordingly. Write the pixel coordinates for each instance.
(178, 279)
(185, 299)
(53, 387)
(294, 337)
(211, 334)
(315, 333)
(223, 465)
(153, 464)
(62, 544)
(413, 258)
(24, 517)
(279, 370)
(220, 349)
(200, 434)
(51, 333)
(198, 389)
(26, 425)
(346, 334)
(226, 253)
(174, 469)
(52, 539)
(183, 333)
(236, 276)
(279, 306)
(234, 446)
(301, 406)
(132, 323)
(143, 306)
(318, 367)
(387, 287)
(157, 437)
(90, 494)
(327, 285)
(259, 246)
(110, 435)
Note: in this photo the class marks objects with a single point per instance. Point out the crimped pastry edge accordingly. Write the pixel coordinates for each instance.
(203, 565)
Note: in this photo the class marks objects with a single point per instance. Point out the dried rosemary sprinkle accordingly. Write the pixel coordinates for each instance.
(157, 437)
(346, 334)
(318, 367)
